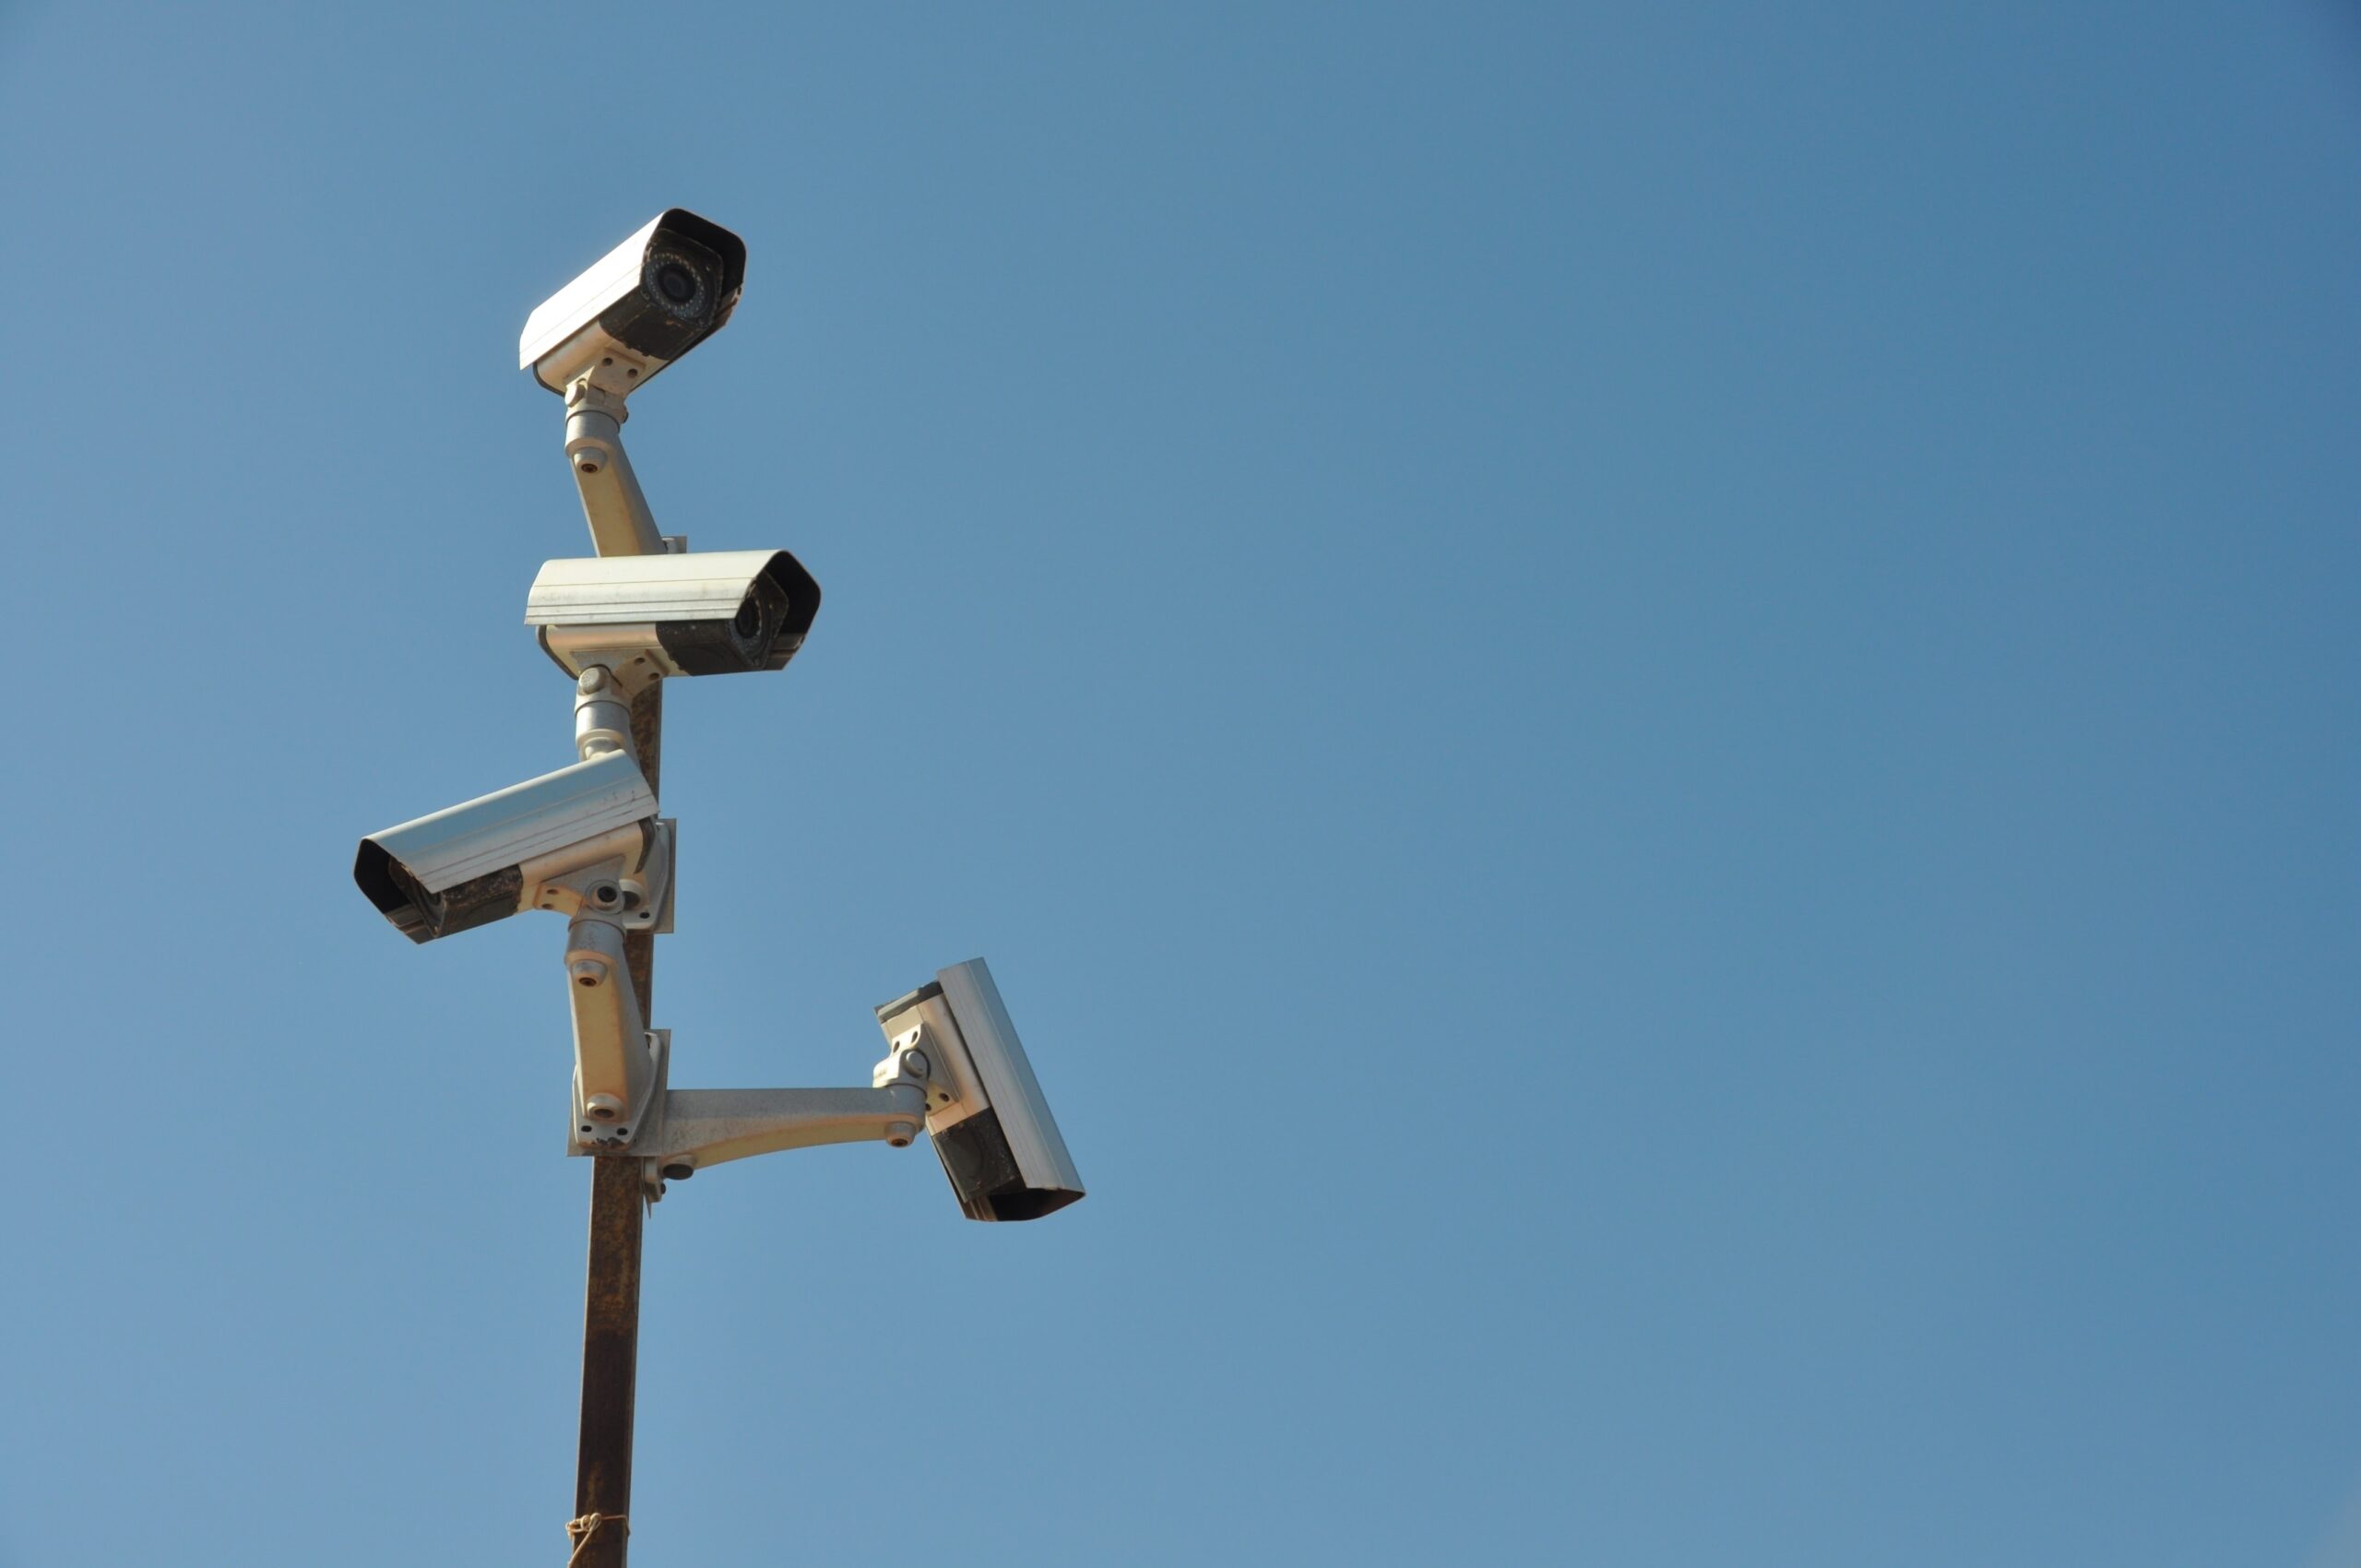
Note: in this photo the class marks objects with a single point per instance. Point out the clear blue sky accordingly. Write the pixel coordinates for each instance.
(1650, 711)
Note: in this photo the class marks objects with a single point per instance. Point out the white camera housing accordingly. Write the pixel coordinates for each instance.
(511, 850)
(711, 613)
(639, 307)
(991, 1127)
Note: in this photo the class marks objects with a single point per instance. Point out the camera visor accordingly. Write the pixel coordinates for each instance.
(422, 915)
(985, 1176)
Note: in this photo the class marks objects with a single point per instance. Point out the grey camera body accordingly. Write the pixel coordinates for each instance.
(640, 306)
(986, 1114)
(713, 612)
(495, 856)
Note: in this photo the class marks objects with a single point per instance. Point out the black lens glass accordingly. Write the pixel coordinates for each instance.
(678, 283)
(749, 619)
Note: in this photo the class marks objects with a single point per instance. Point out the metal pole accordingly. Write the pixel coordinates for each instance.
(610, 1309)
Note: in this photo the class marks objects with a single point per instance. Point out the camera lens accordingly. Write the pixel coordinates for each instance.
(749, 619)
(677, 283)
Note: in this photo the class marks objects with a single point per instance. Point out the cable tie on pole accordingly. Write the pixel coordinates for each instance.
(579, 1531)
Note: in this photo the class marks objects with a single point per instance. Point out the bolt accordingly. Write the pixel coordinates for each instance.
(586, 971)
(593, 680)
(899, 1134)
(680, 1173)
(603, 1107)
(914, 1062)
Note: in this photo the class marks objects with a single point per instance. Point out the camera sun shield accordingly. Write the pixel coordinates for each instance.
(468, 865)
(645, 304)
(998, 1143)
(712, 613)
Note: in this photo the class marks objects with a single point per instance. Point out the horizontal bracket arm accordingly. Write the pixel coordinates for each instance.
(704, 1127)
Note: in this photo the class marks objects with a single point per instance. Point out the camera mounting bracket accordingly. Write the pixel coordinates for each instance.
(621, 523)
(631, 889)
(602, 699)
(703, 1127)
(614, 1077)
(684, 1131)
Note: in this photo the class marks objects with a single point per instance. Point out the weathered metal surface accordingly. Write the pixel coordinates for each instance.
(611, 1298)
(610, 1355)
(647, 740)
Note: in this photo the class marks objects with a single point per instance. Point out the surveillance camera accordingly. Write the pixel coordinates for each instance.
(585, 838)
(991, 1128)
(711, 613)
(641, 306)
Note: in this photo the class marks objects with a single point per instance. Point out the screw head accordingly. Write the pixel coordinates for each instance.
(603, 1107)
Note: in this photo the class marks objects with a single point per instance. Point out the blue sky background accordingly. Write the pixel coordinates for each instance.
(1650, 711)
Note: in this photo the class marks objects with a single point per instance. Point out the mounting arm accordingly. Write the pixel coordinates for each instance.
(620, 521)
(706, 1127)
(691, 1129)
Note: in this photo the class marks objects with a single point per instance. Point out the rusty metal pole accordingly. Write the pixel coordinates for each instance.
(610, 1299)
